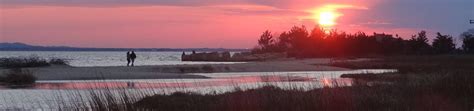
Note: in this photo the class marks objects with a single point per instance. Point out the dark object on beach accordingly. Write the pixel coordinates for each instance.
(128, 58)
(227, 57)
(133, 56)
(212, 56)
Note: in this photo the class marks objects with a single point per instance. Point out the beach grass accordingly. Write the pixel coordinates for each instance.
(31, 61)
(19, 62)
(18, 77)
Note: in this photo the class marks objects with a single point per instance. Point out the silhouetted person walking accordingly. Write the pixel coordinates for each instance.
(133, 56)
(128, 58)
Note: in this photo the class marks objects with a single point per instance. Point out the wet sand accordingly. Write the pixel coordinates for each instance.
(175, 71)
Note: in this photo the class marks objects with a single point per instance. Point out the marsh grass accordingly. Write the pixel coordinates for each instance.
(108, 100)
(442, 81)
(23, 62)
(415, 64)
(18, 78)
(32, 61)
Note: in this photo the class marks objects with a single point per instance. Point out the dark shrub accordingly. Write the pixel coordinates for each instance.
(58, 61)
(19, 77)
(443, 44)
(20, 62)
(178, 102)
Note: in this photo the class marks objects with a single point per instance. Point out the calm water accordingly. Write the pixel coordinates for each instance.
(107, 58)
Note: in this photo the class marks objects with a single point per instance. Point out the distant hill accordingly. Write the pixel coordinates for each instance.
(14, 45)
(26, 47)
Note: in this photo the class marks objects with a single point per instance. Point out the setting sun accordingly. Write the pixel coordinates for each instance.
(327, 15)
(327, 18)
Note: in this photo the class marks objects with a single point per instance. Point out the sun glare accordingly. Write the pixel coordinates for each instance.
(327, 18)
(327, 15)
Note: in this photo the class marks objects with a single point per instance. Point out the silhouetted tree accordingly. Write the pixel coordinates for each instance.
(443, 44)
(336, 44)
(418, 44)
(389, 45)
(298, 38)
(283, 43)
(266, 41)
(317, 42)
(468, 41)
(299, 43)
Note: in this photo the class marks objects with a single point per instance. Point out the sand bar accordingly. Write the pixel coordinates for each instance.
(175, 71)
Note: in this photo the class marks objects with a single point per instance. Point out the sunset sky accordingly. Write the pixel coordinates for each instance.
(216, 23)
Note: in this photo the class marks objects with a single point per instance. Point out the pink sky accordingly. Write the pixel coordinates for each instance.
(172, 24)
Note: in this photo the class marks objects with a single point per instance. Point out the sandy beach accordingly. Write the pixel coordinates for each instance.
(175, 71)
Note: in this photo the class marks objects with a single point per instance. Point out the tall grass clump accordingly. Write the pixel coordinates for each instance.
(32, 61)
(108, 100)
(18, 77)
(19, 62)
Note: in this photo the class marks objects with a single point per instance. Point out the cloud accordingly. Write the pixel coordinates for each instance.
(257, 10)
(376, 23)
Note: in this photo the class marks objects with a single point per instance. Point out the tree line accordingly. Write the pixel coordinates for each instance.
(301, 43)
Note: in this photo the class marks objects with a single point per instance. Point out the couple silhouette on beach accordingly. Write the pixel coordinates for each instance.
(131, 58)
